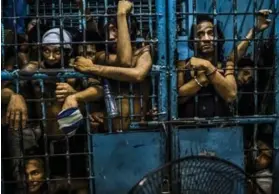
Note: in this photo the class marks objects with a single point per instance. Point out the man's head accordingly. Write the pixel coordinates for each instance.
(51, 52)
(203, 34)
(34, 170)
(245, 71)
(264, 157)
(111, 28)
(89, 50)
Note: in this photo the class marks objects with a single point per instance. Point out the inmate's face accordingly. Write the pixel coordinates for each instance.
(51, 55)
(264, 157)
(31, 25)
(89, 51)
(245, 76)
(112, 36)
(205, 37)
(35, 175)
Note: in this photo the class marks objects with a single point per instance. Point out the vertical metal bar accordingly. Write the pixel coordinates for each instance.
(39, 45)
(120, 109)
(195, 48)
(2, 45)
(89, 139)
(61, 28)
(90, 155)
(150, 18)
(140, 11)
(44, 10)
(15, 35)
(216, 54)
(183, 10)
(106, 39)
(255, 131)
(71, 13)
(153, 97)
(53, 14)
(21, 148)
(43, 107)
(131, 101)
(256, 66)
(80, 19)
(68, 166)
(235, 36)
(162, 57)
(276, 126)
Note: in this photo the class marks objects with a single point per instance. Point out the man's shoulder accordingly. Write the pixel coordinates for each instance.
(142, 50)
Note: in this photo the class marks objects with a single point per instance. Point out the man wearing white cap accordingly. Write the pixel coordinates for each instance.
(67, 95)
(62, 113)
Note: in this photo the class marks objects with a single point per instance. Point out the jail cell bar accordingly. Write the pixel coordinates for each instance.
(276, 125)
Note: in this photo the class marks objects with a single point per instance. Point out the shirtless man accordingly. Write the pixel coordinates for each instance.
(123, 64)
(66, 95)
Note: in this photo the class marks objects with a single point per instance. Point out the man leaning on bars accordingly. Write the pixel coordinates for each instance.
(68, 98)
(125, 62)
(204, 75)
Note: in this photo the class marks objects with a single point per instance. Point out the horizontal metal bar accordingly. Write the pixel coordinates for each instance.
(219, 13)
(52, 180)
(58, 16)
(208, 121)
(230, 39)
(54, 73)
(80, 42)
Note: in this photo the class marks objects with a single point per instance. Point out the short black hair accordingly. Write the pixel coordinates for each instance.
(205, 17)
(245, 62)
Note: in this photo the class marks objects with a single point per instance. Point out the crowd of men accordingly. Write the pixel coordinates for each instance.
(208, 74)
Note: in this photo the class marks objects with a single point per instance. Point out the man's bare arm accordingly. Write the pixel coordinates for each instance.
(90, 94)
(191, 88)
(186, 90)
(262, 23)
(123, 57)
(135, 74)
(124, 47)
(241, 48)
(225, 85)
(6, 94)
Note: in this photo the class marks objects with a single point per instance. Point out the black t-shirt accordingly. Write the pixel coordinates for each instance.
(209, 103)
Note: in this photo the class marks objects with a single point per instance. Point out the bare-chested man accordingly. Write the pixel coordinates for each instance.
(124, 64)
(60, 95)
(68, 94)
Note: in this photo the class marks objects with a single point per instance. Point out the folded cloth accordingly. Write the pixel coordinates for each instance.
(70, 120)
(266, 181)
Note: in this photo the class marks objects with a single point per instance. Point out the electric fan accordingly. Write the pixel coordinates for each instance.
(197, 175)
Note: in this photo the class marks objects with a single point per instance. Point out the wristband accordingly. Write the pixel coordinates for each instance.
(214, 71)
(197, 81)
